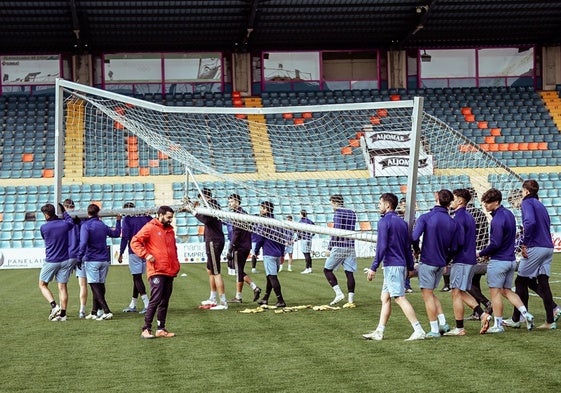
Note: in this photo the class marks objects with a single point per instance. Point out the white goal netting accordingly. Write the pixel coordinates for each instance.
(296, 158)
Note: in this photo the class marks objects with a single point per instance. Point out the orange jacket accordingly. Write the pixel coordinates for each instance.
(159, 241)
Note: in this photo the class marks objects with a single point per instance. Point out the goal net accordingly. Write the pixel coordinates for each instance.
(297, 158)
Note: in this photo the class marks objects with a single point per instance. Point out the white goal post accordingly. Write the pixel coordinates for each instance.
(295, 157)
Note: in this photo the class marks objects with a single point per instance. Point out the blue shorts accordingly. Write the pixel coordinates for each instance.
(394, 280)
(96, 271)
(80, 273)
(307, 245)
(429, 276)
(538, 262)
(59, 270)
(137, 265)
(461, 275)
(500, 273)
(338, 256)
(271, 265)
(288, 249)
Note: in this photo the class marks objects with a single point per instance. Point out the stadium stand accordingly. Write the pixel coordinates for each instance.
(517, 125)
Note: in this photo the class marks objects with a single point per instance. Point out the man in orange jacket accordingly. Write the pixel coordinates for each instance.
(155, 242)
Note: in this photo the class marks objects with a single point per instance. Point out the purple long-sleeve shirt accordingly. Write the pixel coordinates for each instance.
(130, 227)
(466, 225)
(343, 219)
(393, 247)
(93, 240)
(264, 239)
(503, 236)
(55, 234)
(440, 236)
(536, 223)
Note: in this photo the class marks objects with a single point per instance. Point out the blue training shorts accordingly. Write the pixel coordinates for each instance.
(538, 262)
(461, 275)
(429, 276)
(338, 256)
(500, 274)
(394, 280)
(59, 270)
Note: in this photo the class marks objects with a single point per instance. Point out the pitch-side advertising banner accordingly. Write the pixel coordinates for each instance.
(25, 258)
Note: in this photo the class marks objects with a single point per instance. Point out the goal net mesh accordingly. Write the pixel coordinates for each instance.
(295, 158)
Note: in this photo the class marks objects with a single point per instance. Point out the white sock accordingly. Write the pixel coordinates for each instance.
(381, 328)
(523, 310)
(417, 326)
(351, 297)
(238, 295)
(133, 303)
(212, 295)
(145, 300)
(83, 308)
(223, 298)
(337, 290)
(434, 326)
(441, 319)
(252, 285)
(498, 321)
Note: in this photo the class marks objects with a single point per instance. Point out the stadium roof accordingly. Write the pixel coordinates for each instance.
(222, 25)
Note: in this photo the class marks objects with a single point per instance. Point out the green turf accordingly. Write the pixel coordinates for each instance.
(226, 351)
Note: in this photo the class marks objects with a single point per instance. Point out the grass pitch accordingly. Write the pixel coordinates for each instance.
(228, 351)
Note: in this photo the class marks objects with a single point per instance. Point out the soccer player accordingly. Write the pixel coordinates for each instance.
(214, 244)
(537, 254)
(306, 241)
(288, 247)
(482, 238)
(341, 251)
(393, 250)
(57, 263)
(271, 241)
(440, 244)
(137, 266)
(94, 254)
(240, 247)
(73, 246)
(155, 242)
(502, 264)
(463, 266)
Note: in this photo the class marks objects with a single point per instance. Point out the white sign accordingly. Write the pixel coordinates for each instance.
(29, 70)
(398, 165)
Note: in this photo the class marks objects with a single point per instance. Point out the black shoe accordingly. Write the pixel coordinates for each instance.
(235, 300)
(445, 289)
(256, 293)
(262, 302)
(280, 304)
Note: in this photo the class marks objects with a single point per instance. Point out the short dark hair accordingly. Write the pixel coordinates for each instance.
(462, 193)
(268, 205)
(337, 198)
(492, 195)
(235, 197)
(206, 192)
(303, 213)
(48, 209)
(68, 203)
(93, 210)
(445, 197)
(128, 205)
(390, 198)
(531, 185)
(289, 217)
(164, 209)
